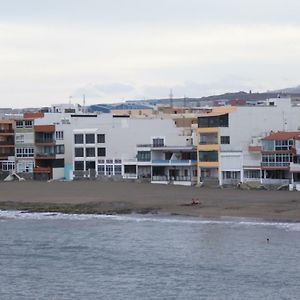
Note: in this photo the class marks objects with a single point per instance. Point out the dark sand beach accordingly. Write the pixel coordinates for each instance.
(127, 197)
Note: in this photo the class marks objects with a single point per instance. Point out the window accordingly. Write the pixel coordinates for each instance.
(59, 149)
(101, 170)
(7, 165)
(225, 140)
(158, 142)
(19, 124)
(252, 174)
(78, 152)
(118, 170)
(28, 124)
(129, 169)
(283, 145)
(101, 151)
(20, 138)
(90, 138)
(213, 121)
(208, 156)
(186, 172)
(144, 156)
(109, 169)
(59, 135)
(78, 138)
(100, 138)
(90, 152)
(90, 165)
(25, 152)
(118, 161)
(79, 165)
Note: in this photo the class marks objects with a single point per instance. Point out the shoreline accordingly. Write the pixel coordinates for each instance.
(112, 198)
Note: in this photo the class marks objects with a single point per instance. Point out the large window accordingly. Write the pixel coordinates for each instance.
(208, 156)
(90, 165)
(118, 170)
(214, 121)
(283, 145)
(109, 169)
(101, 151)
(90, 138)
(101, 170)
(144, 156)
(78, 152)
(79, 165)
(277, 160)
(129, 169)
(78, 138)
(25, 152)
(90, 152)
(252, 173)
(100, 138)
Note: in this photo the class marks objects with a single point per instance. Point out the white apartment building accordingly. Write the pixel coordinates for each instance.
(229, 140)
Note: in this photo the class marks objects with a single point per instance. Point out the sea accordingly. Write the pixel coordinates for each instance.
(59, 256)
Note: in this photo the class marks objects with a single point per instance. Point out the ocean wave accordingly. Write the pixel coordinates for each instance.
(8, 215)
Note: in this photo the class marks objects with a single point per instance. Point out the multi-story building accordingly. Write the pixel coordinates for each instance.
(7, 146)
(229, 139)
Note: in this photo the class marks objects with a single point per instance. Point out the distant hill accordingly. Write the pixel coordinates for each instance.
(291, 90)
(202, 101)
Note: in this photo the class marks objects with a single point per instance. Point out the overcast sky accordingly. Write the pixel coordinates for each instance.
(130, 49)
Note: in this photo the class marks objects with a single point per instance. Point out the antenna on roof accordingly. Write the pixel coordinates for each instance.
(171, 97)
(83, 100)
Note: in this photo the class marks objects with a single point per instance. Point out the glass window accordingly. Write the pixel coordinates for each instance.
(59, 135)
(144, 156)
(78, 138)
(90, 165)
(100, 138)
(19, 124)
(101, 151)
(78, 152)
(109, 169)
(208, 156)
(158, 142)
(79, 165)
(225, 140)
(101, 170)
(90, 152)
(90, 138)
(28, 124)
(130, 169)
(118, 170)
(59, 149)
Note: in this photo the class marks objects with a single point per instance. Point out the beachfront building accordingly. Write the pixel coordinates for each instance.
(7, 147)
(229, 139)
(121, 147)
(25, 144)
(280, 162)
(174, 164)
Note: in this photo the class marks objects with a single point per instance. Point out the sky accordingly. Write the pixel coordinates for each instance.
(111, 51)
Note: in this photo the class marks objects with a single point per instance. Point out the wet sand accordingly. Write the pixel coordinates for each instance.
(127, 197)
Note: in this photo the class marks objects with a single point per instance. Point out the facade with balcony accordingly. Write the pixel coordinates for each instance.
(48, 154)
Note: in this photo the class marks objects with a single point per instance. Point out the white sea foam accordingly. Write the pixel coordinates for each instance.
(6, 215)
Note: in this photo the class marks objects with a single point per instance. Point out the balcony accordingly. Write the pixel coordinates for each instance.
(273, 165)
(45, 155)
(295, 168)
(165, 178)
(43, 141)
(6, 132)
(160, 162)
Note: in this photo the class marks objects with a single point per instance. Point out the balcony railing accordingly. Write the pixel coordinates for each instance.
(44, 141)
(8, 131)
(37, 155)
(173, 162)
(275, 164)
(173, 178)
